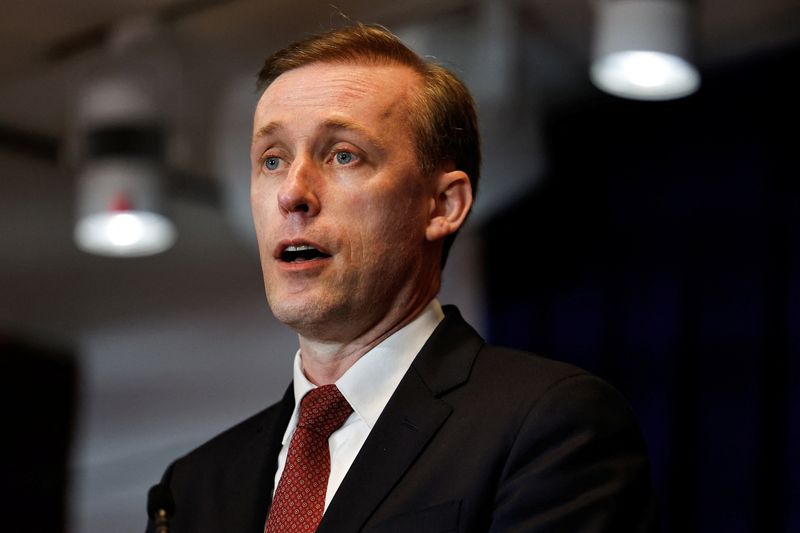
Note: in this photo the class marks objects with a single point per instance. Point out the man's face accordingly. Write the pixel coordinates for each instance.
(339, 202)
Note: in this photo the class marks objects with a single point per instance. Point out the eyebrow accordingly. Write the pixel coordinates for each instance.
(329, 125)
(346, 125)
(269, 129)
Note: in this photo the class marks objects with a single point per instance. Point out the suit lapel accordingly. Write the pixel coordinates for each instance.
(252, 475)
(410, 419)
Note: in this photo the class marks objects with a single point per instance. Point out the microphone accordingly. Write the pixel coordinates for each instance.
(160, 507)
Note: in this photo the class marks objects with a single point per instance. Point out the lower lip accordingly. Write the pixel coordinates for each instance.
(304, 266)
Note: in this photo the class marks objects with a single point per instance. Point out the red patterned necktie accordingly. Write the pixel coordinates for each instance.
(300, 497)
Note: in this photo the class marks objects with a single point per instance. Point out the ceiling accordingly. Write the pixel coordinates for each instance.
(46, 45)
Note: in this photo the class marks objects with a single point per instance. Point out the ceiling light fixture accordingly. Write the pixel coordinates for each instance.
(120, 147)
(641, 49)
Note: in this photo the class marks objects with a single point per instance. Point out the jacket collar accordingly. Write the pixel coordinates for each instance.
(411, 418)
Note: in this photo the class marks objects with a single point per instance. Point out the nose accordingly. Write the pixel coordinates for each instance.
(298, 190)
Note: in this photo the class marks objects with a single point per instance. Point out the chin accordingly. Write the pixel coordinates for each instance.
(291, 314)
(299, 314)
(320, 321)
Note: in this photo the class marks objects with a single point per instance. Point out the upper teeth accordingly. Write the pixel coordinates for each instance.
(301, 248)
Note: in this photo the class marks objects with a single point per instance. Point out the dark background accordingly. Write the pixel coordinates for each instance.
(662, 252)
(38, 391)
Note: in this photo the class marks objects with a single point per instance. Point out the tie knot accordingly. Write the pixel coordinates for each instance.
(324, 410)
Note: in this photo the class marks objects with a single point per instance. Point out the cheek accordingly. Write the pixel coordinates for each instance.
(263, 200)
(387, 224)
(256, 201)
(262, 210)
(258, 214)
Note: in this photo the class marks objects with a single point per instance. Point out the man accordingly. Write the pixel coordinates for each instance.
(365, 162)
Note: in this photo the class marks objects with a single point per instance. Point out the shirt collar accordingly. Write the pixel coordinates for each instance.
(371, 381)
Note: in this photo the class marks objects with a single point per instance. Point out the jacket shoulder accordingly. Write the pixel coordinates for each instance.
(222, 484)
(231, 439)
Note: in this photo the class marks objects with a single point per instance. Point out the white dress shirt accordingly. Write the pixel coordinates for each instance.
(367, 386)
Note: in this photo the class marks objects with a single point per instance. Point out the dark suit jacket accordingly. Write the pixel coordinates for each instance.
(476, 438)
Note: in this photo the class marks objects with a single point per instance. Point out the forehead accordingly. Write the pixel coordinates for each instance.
(364, 93)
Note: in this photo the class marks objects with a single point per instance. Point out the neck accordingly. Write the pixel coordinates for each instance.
(324, 362)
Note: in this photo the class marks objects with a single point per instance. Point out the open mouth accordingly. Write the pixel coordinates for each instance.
(301, 254)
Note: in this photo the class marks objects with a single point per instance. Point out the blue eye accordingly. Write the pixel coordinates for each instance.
(344, 158)
(272, 163)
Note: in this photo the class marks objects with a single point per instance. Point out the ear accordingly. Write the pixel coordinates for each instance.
(450, 204)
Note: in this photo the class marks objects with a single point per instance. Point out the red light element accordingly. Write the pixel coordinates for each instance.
(120, 202)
